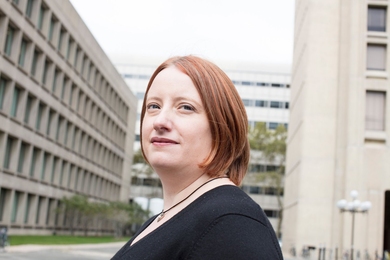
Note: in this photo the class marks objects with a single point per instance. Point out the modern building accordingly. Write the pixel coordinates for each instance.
(66, 117)
(265, 92)
(339, 128)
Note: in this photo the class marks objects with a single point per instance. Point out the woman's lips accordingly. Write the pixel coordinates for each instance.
(159, 140)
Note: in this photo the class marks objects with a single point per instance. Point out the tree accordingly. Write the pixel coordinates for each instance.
(124, 214)
(271, 145)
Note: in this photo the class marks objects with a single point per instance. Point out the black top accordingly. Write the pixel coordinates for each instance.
(223, 223)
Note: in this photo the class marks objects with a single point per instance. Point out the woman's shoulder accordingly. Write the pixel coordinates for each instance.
(229, 200)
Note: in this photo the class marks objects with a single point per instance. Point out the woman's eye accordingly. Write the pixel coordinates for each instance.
(152, 106)
(187, 107)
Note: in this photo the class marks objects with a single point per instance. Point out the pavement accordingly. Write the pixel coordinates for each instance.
(61, 252)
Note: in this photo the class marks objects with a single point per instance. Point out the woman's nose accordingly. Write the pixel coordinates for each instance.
(162, 121)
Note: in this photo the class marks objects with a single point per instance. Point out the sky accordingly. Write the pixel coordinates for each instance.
(259, 31)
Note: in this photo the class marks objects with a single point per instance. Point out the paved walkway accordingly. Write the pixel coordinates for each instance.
(61, 252)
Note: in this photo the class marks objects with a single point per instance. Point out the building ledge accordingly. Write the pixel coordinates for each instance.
(375, 136)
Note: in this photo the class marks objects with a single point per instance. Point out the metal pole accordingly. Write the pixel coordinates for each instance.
(353, 227)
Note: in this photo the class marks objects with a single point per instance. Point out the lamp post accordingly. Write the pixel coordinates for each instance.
(354, 206)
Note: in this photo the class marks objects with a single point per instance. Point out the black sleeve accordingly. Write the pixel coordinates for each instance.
(237, 237)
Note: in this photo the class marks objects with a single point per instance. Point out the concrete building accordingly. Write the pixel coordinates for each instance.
(339, 128)
(66, 117)
(265, 92)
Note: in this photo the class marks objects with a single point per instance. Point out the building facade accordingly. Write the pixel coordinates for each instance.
(66, 117)
(339, 128)
(265, 93)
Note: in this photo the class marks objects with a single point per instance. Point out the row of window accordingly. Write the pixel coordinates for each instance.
(21, 50)
(263, 190)
(257, 168)
(35, 114)
(269, 125)
(265, 103)
(28, 210)
(260, 84)
(37, 164)
(376, 52)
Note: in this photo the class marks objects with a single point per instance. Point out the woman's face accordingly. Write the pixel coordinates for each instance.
(175, 130)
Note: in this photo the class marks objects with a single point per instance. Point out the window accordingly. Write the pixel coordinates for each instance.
(15, 102)
(41, 17)
(272, 125)
(246, 83)
(15, 206)
(29, 8)
(34, 63)
(45, 72)
(22, 155)
(271, 213)
(275, 104)
(22, 54)
(8, 152)
(44, 165)
(34, 159)
(51, 28)
(261, 103)
(41, 108)
(54, 86)
(247, 102)
(27, 113)
(27, 211)
(39, 206)
(376, 18)
(60, 39)
(375, 110)
(376, 57)
(8, 41)
(3, 85)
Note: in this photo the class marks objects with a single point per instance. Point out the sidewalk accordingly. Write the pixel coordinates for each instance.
(34, 248)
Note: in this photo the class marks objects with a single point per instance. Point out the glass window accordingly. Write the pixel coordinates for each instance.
(275, 104)
(272, 125)
(261, 103)
(8, 152)
(29, 8)
(51, 28)
(376, 18)
(3, 85)
(44, 165)
(22, 153)
(375, 110)
(45, 71)
(247, 102)
(27, 211)
(41, 107)
(60, 39)
(15, 102)
(41, 17)
(376, 57)
(15, 206)
(34, 63)
(54, 86)
(8, 41)
(22, 54)
(39, 206)
(34, 158)
(27, 113)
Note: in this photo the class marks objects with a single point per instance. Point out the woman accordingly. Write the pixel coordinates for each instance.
(194, 135)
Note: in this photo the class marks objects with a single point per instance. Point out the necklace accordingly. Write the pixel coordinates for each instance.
(162, 214)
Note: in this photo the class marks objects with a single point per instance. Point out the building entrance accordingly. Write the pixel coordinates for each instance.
(386, 239)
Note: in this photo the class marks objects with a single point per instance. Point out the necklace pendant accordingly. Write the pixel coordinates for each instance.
(160, 217)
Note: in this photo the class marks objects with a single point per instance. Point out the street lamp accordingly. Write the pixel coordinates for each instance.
(354, 206)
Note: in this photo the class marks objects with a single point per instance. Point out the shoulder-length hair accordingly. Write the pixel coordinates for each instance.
(225, 112)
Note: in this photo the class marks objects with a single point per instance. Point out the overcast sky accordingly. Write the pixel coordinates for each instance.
(258, 31)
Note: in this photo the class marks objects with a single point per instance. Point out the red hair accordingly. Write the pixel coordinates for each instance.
(226, 114)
